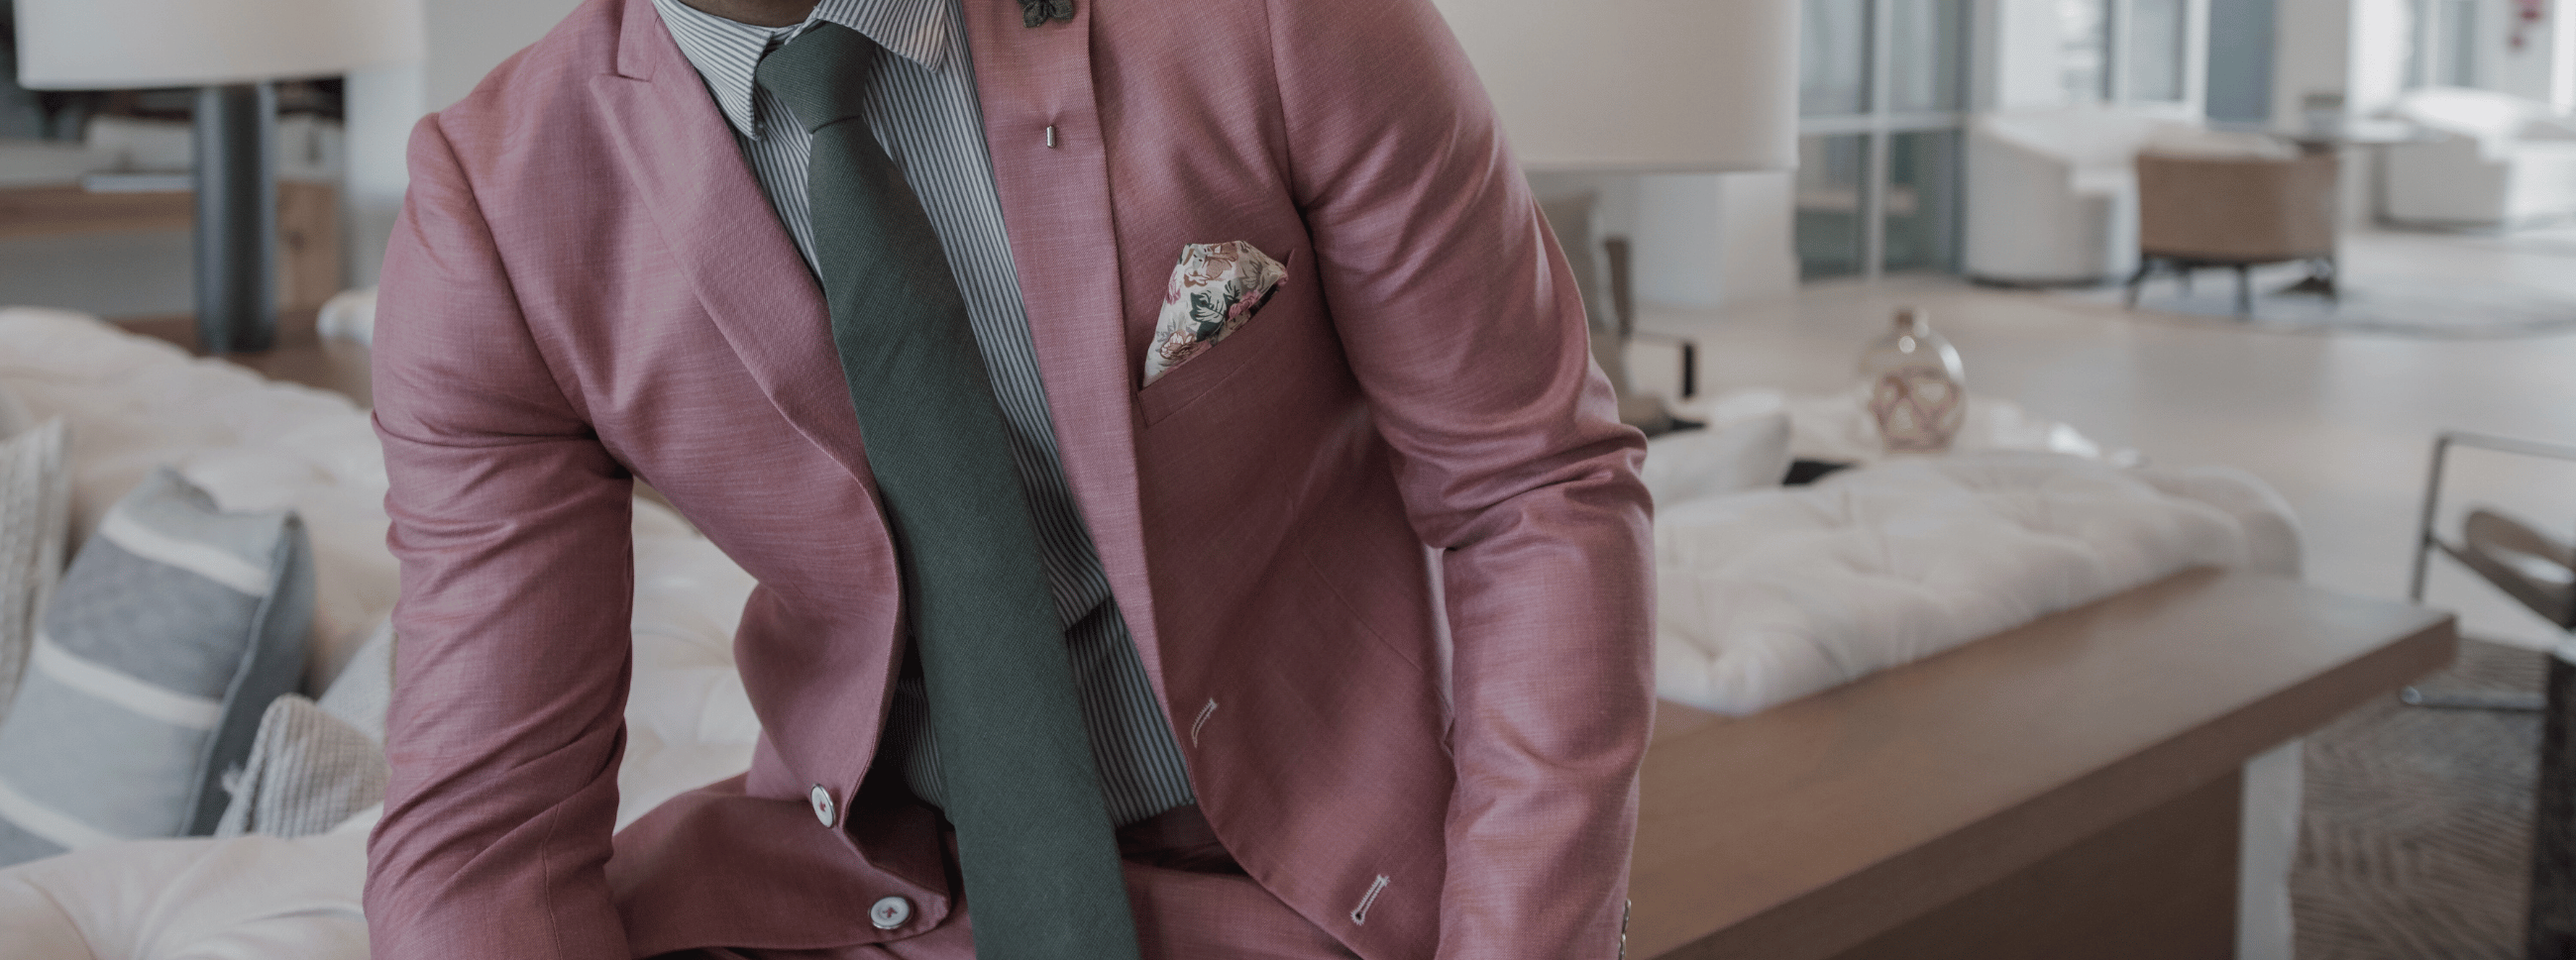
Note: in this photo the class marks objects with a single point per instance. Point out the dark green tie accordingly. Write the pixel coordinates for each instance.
(1033, 835)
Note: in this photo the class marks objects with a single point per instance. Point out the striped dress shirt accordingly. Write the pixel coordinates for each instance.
(921, 104)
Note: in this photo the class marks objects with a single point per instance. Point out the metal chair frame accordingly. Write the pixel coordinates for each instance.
(2427, 540)
(2549, 927)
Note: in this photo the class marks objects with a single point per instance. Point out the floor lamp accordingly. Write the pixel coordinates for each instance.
(1637, 86)
(233, 51)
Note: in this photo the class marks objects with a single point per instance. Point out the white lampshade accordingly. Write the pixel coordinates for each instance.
(1639, 86)
(127, 44)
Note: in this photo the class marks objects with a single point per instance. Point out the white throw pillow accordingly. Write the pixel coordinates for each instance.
(14, 418)
(308, 772)
(1696, 464)
(35, 513)
(364, 690)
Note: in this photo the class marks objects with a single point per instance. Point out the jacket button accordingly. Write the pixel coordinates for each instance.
(890, 913)
(822, 804)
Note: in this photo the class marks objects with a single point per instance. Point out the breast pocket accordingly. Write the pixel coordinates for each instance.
(1255, 343)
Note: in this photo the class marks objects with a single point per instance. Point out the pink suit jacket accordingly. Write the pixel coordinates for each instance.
(587, 287)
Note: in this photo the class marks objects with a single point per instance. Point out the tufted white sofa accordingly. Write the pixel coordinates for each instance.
(134, 403)
(2051, 197)
(2488, 160)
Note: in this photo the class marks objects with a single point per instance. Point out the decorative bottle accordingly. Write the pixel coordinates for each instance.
(1918, 395)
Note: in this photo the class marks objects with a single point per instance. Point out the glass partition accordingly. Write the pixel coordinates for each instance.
(1832, 173)
(2083, 60)
(1925, 38)
(1882, 84)
(1833, 57)
(2156, 50)
(1922, 202)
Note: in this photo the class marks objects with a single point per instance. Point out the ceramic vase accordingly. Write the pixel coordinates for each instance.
(1918, 394)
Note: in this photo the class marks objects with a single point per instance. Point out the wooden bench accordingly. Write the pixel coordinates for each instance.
(2070, 788)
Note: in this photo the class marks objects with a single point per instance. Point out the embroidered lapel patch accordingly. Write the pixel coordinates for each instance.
(1037, 12)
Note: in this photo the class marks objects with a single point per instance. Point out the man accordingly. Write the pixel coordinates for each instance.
(1052, 659)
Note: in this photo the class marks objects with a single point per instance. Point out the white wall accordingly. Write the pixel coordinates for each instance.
(2015, 56)
(1681, 239)
(382, 106)
(1696, 240)
(461, 41)
(1756, 236)
(2353, 48)
(2380, 43)
(1708, 240)
(465, 39)
(2530, 71)
(2562, 67)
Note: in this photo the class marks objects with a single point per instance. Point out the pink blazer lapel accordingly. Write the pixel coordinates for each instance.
(754, 285)
(1055, 199)
(740, 260)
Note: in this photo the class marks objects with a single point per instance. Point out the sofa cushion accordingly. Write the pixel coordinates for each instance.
(1769, 596)
(308, 772)
(364, 691)
(1730, 458)
(317, 763)
(171, 632)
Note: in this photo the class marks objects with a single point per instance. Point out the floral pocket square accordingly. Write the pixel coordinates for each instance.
(1215, 288)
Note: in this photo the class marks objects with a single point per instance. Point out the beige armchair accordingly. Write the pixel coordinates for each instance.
(2238, 212)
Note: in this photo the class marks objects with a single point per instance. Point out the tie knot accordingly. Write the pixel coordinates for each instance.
(821, 75)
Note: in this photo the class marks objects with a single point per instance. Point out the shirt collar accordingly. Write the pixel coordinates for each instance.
(725, 52)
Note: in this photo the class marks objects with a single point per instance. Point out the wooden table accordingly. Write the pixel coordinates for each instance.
(2066, 789)
(308, 226)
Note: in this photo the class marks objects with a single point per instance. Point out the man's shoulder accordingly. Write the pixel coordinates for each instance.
(538, 84)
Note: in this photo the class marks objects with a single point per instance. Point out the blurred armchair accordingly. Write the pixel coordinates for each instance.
(2236, 211)
(2051, 196)
(2487, 159)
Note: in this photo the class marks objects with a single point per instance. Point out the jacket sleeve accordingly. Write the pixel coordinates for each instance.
(511, 524)
(1463, 325)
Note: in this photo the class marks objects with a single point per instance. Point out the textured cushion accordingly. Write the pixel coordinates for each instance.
(1769, 596)
(166, 640)
(14, 416)
(365, 688)
(35, 506)
(135, 404)
(308, 771)
(1747, 455)
(315, 764)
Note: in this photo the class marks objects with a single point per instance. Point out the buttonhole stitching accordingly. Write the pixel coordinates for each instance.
(1201, 721)
(1359, 914)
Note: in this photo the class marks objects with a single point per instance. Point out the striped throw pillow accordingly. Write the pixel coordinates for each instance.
(163, 644)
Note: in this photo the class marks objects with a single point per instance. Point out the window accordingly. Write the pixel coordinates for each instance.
(2128, 51)
(2444, 49)
(1880, 96)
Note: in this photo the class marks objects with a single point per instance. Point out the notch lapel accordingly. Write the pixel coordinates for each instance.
(1056, 208)
(739, 258)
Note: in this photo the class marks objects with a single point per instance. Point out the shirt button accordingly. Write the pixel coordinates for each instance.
(890, 913)
(822, 804)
